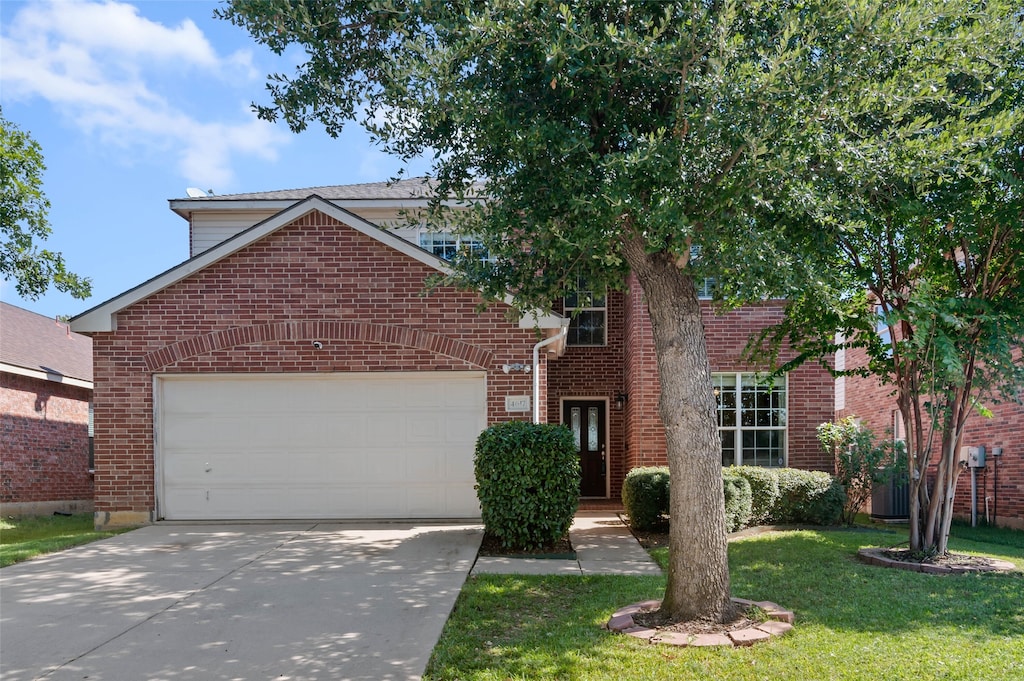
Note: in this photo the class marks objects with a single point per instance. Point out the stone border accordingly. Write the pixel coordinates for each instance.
(878, 557)
(779, 622)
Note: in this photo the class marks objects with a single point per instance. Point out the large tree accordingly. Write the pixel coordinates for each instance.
(24, 223)
(654, 138)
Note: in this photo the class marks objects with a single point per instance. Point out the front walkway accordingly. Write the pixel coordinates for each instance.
(604, 546)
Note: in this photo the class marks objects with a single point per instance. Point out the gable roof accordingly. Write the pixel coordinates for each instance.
(41, 347)
(103, 317)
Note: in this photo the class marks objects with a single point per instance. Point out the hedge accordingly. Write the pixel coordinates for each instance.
(737, 501)
(753, 496)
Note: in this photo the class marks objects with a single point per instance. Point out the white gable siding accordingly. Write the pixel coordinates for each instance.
(210, 228)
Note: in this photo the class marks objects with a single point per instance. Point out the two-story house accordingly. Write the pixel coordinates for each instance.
(295, 367)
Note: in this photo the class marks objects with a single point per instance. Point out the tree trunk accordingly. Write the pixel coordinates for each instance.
(698, 575)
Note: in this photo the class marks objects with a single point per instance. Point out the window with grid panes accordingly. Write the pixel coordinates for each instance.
(751, 419)
(587, 311)
(446, 245)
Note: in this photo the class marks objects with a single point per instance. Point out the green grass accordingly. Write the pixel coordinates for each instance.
(31, 536)
(854, 621)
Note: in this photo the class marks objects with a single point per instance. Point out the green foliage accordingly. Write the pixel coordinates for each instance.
(808, 497)
(528, 482)
(737, 500)
(23, 220)
(764, 491)
(861, 462)
(645, 497)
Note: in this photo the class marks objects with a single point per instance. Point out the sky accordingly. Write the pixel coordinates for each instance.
(132, 103)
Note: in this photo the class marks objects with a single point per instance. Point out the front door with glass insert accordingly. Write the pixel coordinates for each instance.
(586, 418)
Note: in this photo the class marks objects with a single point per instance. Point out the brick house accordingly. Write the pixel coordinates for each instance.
(1000, 484)
(294, 368)
(45, 393)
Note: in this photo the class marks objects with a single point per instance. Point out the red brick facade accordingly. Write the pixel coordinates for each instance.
(44, 428)
(809, 388)
(873, 403)
(258, 311)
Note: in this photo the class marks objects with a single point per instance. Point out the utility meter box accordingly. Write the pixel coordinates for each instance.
(974, 457)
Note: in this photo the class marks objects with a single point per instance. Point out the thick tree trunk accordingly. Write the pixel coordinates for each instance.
(698, 576)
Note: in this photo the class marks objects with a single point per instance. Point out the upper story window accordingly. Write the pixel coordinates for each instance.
(706, 287)
(447, 245)
(751, 419)
(588, 313)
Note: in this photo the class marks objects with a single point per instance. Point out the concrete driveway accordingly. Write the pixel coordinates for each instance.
(246, 601)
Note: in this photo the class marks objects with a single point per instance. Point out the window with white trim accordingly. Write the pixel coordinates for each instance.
(751, 419)
(447, 245)
(587, 310)
(706, 287)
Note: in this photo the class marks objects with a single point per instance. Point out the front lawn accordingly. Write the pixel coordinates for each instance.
(854, 621)
(31, 536)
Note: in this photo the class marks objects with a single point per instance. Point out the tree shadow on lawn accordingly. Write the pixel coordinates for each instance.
(817, 575)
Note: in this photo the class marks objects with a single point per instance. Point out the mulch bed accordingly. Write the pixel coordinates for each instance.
(492, 546)
(656, 619)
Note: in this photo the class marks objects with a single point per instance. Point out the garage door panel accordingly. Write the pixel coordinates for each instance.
(383, 445)
(458, 394)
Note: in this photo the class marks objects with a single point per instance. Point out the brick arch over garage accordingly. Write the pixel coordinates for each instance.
(318, 330)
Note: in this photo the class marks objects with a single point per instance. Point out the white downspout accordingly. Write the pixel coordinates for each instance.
(562, 333)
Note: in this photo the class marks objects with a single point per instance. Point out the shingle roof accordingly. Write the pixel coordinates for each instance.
(412, 188)
(32, 341)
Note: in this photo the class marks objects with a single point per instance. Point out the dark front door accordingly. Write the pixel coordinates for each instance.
(586, 418)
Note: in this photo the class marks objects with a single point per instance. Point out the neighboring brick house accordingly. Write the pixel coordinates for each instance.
(45, 392)
(1000, 491)
(294, 368)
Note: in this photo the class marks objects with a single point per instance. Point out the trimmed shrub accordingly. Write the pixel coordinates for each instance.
(645, 497)
(811, 497)
(528, 482)
(737, 501)
(764, 491)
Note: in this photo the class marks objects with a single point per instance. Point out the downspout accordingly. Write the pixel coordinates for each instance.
(562, 333)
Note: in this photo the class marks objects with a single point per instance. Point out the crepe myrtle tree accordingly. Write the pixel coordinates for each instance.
(24, 222)
(659, 139)
(936, 300)
(928, 276)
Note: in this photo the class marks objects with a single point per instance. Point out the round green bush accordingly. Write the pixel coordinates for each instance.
(811, 497)
(645, 497)
(737, 500)
(528, 482)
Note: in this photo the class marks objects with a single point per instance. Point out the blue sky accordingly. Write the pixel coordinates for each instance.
(132, 102)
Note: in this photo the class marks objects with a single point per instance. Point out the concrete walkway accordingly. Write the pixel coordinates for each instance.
(604, 546)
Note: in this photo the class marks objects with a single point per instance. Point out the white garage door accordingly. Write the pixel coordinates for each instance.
(367, 445)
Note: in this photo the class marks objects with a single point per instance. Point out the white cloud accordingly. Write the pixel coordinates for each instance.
(119, 77)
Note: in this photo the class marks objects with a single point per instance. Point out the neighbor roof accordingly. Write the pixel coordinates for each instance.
(38, 346)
